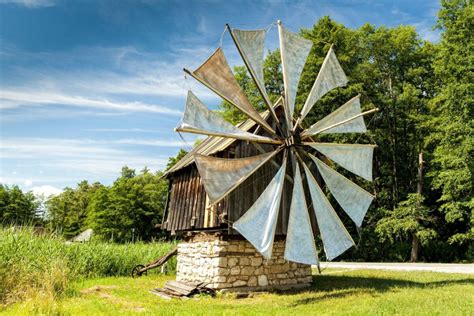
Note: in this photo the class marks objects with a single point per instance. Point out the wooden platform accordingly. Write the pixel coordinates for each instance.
(183, 290)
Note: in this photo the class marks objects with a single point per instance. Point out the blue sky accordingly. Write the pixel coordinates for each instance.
(89, 86)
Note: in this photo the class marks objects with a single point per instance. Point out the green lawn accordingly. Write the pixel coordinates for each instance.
(333, 292)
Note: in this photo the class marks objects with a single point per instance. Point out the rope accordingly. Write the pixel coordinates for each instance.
(185, 142)
(186, 84)
(222, 37)
(368, 135)
(273, 24)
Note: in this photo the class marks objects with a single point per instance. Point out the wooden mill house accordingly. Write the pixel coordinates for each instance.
(212, 252)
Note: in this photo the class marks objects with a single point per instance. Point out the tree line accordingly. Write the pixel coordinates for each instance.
(423, 166)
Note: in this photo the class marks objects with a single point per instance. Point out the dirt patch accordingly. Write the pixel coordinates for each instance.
(103, 291)
(98, 289)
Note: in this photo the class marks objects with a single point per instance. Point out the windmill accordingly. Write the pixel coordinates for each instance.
(300, 154)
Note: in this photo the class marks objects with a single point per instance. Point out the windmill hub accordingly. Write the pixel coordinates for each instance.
(290, 141)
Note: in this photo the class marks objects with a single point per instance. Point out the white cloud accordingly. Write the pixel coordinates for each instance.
(46, 190)
(120, 79)
(32, 148)
(202, 25)
(116, 70)
(124, 130)
(34, 97)
(31, 4)
(151, 142)
(426, 31)
(67, 161)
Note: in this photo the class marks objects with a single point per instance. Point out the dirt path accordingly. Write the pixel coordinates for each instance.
(434, 267)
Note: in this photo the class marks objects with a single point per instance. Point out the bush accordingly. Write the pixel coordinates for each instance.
(32, 265)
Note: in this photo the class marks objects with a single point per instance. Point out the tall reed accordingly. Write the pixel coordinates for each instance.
(32, 265)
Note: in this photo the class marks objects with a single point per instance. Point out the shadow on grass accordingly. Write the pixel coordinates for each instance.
(332, 286)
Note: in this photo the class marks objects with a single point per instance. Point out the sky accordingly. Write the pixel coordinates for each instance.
(87, 87)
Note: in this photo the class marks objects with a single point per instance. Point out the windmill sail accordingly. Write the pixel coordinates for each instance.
(345, 112)
(216, 74)
(294, 50)
(353, 199)
(300, 246)
(250, 45)
(220, 175)
(330, 76)
(199, 120)
(354, 157)
(258, 224)
(335, 237)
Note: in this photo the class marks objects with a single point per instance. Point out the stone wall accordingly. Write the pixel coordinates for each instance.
(234, 264)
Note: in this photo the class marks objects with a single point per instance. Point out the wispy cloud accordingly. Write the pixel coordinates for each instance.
(72, 160)
(106, 71)
(31, 4)
(151, 142)
(126, 80)
(426, 31)
(14, 98)
(45, 190)
(18, 147)
(124, 130)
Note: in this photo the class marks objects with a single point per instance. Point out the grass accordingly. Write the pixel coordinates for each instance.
(44, 266)
(44, 275)
(363, 292)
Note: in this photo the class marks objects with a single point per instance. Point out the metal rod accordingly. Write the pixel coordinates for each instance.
(263, 123)
(339, 144)
(264, 140)
(285, 79)
(341, 122)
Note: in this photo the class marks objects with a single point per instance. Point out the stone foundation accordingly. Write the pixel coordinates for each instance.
(236, 264)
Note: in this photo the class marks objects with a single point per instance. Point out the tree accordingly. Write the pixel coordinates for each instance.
(67, 212)
(451, 140)
(173, 160)
(130, 208)
(410, 219)
(18, 208)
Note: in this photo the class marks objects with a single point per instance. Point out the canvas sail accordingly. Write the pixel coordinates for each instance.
(354, 200)
(258, 224)
(330, 76)
(216, 74)
(221, 175)
(250, 44)
(199, 119)
(335, 237)
(356, 158)
(300, 246)
(294, 50)
(347, 111)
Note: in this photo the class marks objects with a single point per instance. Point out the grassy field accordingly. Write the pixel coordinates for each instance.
(44, 275)
(46, 267)
(333, 292)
